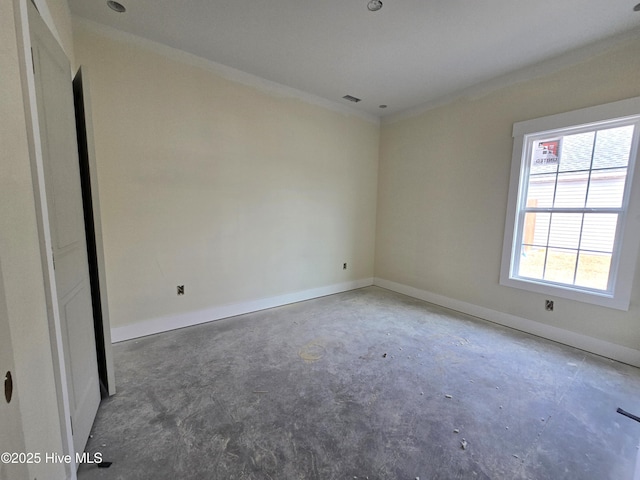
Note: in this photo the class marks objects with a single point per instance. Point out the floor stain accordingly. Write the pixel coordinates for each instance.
(313, 351)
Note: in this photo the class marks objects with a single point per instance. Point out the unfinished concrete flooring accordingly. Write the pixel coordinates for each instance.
(364, 384)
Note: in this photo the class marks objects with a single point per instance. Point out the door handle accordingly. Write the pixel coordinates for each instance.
(8, 387)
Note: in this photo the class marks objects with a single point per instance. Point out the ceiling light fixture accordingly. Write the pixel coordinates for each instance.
(116, 6)
(374, 5)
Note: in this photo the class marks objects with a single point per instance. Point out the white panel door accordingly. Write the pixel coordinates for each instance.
(56, 119)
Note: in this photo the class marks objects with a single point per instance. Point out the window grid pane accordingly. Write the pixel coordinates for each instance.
(599, 232)
(574, 172)
(606, 188)
(571, 190)
(541, 190)
(532, 260)
(612, 147)
(577, 152)
(593, 270)
(560, 265)
(565, 230)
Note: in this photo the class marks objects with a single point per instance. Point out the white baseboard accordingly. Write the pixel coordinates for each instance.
(165, 324)
(610, 350)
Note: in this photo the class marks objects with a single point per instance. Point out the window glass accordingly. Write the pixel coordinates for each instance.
(606, 188)
(574, 198)
(571, 190)
(613, 147)
(576, 152)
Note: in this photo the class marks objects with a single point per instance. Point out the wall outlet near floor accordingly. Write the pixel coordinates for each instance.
(180, 289)
(548, 305)
(344, 266)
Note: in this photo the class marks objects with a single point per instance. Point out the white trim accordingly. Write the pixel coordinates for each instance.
(628, 236)
(266, 86)
(582, 117)
(164, 324)
(610, 350)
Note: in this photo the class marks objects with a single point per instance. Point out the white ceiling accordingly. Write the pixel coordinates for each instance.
(412, 52)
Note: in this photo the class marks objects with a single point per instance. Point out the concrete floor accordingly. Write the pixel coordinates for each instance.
(364, 384)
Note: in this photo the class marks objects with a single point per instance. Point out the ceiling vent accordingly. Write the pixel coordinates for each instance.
(351, 98)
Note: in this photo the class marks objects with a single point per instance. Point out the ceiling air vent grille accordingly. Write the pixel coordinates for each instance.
(351, 98)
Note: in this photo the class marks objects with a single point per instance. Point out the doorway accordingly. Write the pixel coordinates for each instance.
(63, 238)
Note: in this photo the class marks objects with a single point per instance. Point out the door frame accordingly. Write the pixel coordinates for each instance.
(27, 12)
(93, 229)
(25, 9)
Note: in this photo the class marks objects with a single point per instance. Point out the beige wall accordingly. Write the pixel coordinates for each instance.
(22, 274)
(241, 195)
(235, 193)
(443, 184)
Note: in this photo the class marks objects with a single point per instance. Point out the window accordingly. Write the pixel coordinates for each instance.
(573, 221)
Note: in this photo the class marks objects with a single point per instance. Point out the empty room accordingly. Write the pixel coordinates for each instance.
(355, 239)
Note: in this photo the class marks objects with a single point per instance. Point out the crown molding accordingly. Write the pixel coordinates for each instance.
(531, 72)
(263, 85)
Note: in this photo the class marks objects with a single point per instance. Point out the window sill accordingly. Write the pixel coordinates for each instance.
(603, 299)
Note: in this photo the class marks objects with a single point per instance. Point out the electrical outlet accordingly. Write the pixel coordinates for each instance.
(548, 305)
(344, 266)
(180, 289)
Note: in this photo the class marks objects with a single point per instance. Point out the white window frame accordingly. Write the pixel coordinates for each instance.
(623, 265)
